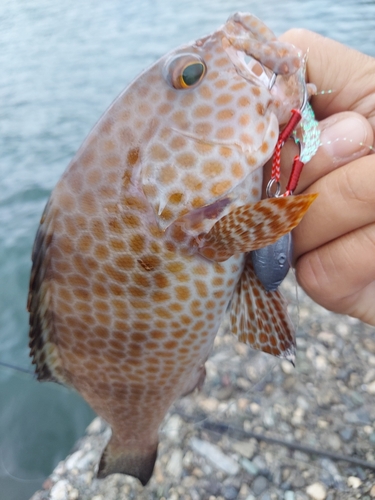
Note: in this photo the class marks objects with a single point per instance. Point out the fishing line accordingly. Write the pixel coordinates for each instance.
(264, 362)
(10, 366)
(16, 478)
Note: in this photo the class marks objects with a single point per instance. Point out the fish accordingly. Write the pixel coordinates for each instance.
(145, 241)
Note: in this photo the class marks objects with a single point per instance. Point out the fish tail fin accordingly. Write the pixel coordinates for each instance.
(139, 463)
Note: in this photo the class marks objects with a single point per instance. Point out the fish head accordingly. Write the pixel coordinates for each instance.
(213, 119)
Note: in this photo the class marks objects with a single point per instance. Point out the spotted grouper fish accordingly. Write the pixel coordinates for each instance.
(144, 243)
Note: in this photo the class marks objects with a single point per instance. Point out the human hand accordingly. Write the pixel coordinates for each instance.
(334, 245)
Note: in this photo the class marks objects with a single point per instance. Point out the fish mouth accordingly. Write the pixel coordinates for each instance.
(249, 68)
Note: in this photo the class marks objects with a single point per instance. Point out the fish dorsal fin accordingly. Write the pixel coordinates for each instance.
(43, 349)
(260, 318)
(253, 226)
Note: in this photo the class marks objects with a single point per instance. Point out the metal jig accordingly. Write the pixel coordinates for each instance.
(272, 263)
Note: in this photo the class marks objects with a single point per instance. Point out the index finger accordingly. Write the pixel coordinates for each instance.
(331, 66)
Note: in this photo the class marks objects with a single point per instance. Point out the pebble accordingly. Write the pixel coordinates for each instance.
(289, 495)
(370, 388)
(255, 408)
(214, 454)
(246, 449)
(209, 405)
(298, 416)
(369, 376)
(172, 428)
(354, 482)
(357, 417)
(333, 442)
(327, 338)
(259, 485)
(317, 491)
(346, 434)
(229, 492)
(372, 492)
(95, 426)
(174, 465)
(331, 472)
(60, 490)
(249, 466)
(287, 367)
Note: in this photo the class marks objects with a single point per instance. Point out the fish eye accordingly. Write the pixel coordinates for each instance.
(192, 74)
(185, 72)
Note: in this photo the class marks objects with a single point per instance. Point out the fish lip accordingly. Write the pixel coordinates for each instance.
(247, 66)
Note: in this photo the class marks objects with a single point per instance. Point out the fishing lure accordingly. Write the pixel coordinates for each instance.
(272, 263)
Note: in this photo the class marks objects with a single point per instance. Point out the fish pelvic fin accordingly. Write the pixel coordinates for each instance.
(117, 460)
(43, 349)
(253, 226)
(260, 318)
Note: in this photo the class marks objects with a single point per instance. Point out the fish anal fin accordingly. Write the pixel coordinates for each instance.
(120, 460)
(253, 226)
(260, 319)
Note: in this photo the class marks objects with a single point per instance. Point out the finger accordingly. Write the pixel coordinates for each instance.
(344, 137)
(331, 66)
(345, 203)
(340, 275)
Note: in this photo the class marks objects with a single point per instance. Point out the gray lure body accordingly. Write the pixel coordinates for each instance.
(272, 263)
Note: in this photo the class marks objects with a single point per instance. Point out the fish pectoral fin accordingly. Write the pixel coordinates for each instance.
(119, 460)
(260, 319)
(253, 226)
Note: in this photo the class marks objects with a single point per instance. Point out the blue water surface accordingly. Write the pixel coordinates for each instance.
(61, 64)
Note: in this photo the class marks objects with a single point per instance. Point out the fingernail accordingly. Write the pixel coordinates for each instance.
(343, 138)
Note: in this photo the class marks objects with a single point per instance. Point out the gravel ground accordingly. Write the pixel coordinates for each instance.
(259, 429)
